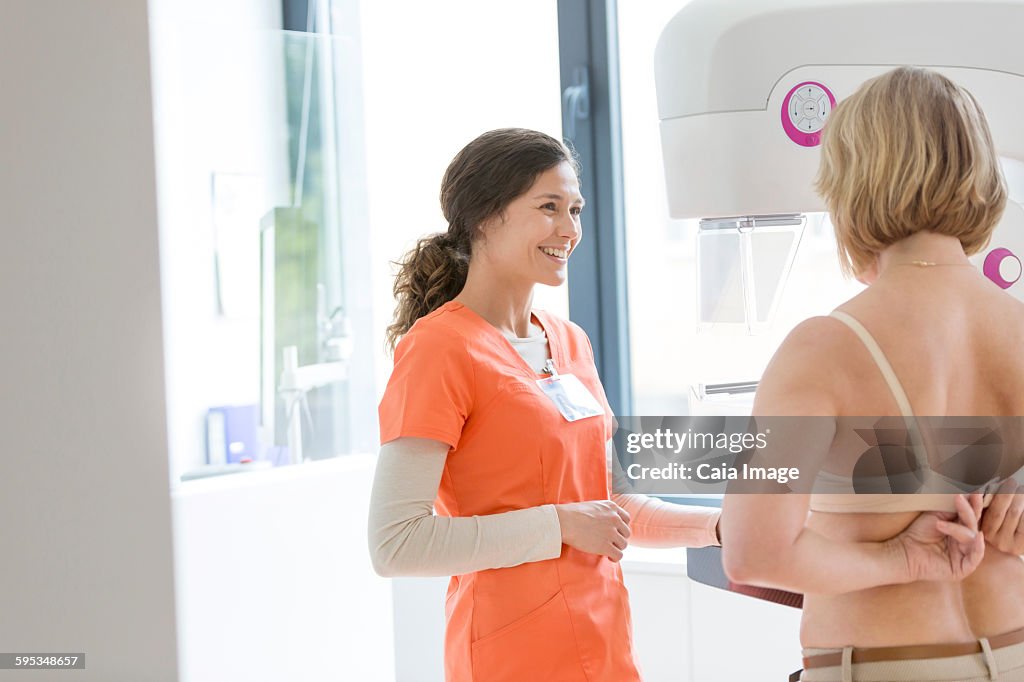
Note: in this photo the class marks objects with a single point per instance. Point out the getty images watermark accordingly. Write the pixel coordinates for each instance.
(674, 442)
(874, 455)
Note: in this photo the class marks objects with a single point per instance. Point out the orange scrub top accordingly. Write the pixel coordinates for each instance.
(458, 380)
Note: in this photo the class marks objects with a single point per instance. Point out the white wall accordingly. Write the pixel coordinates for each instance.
(85, 523)
(274, 580)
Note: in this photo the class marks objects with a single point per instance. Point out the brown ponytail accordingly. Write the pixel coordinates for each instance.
(481, 181)
(429, 276)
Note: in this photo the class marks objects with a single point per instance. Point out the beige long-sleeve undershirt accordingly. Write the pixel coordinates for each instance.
(407, 539)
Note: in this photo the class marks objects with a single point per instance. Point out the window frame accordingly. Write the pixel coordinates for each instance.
(598, 301)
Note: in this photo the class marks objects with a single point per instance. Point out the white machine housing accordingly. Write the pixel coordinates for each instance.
(724, 68)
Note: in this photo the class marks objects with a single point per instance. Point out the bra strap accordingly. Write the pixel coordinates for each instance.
(879, 357)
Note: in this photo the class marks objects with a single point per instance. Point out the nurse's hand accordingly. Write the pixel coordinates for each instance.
(1003, 521)
(598, 527)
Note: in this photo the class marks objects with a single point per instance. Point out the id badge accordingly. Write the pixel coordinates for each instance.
(570, 396)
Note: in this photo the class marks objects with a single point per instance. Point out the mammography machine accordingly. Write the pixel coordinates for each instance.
(744, 89)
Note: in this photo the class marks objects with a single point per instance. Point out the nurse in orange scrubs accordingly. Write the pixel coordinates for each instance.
(494, 418)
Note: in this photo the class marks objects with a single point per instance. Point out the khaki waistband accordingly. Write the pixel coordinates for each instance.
(912, 652)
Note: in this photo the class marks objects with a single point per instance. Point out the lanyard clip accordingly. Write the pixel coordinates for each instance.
(549, 367)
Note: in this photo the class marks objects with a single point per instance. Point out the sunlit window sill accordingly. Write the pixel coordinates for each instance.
(273, 476)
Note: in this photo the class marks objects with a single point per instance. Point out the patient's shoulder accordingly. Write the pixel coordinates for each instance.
(817, 341)
(801, 377)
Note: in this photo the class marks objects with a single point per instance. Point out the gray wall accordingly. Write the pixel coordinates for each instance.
(85, 523)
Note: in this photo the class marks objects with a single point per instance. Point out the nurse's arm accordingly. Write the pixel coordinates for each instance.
(656, 523)
(406, 538)
(764, 538)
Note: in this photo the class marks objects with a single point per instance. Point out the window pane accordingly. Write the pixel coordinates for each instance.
(679, 341)
(429, 91)
(293, 168)
(262, 224)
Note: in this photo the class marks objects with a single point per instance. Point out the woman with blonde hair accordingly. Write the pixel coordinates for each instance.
(898, 586)
(495, 414)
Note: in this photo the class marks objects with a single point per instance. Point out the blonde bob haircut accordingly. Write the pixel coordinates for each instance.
(909, 151)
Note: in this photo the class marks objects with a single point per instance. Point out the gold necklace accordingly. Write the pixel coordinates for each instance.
(930, 264)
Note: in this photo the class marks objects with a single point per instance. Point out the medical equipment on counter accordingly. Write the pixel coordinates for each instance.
(302, 346)
(231, 434)
(295, 383)
(334, 331)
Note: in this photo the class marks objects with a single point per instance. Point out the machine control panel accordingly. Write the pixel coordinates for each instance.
(804, 110)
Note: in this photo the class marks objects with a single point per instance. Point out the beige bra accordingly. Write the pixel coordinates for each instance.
(836, 493)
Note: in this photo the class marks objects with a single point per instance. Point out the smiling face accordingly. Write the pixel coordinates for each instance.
(532, 241)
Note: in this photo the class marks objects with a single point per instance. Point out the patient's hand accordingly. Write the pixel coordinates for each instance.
(1003, 521)
(944, 546)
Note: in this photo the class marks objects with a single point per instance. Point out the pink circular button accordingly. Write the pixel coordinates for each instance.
(993, 267)
(804, 109)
